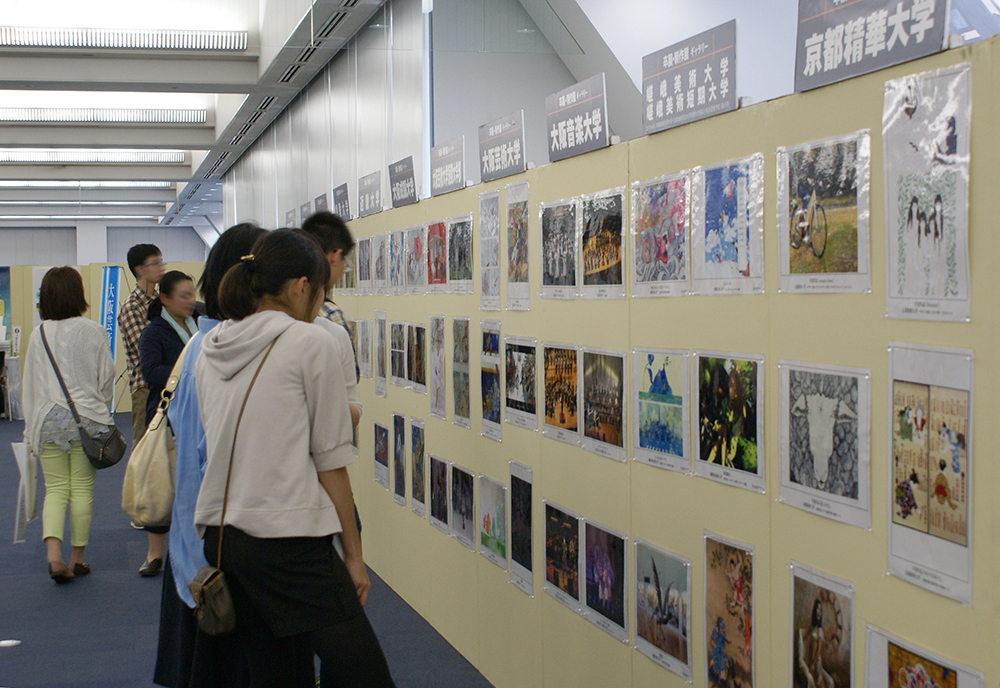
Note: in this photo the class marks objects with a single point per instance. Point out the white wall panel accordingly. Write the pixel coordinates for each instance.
(178, 244)
(38, 246)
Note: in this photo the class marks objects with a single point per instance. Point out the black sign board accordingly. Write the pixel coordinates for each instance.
(305, 210)
(577, 119)
(290, 218)
(690, 80)
(370, 194)
(320, 204)
(342, 202)
(501, 147)
(402, 183)
(840, 40)
(448, 166)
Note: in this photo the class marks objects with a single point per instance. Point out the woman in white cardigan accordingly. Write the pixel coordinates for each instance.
(80, 347)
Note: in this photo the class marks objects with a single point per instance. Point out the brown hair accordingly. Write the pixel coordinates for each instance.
(61, 295)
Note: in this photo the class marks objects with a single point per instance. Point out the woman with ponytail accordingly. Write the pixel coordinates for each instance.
(268, 370)
(171, 324)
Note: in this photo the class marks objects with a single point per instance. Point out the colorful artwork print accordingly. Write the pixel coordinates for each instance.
(397, 276)
(601, 241)
(351, 272)
(439, 490)
(661, 244)
(437, 366)
(463, 518)
(605, 571)
(727, 412)
(559, 245)
(909, 670)
(415, 267)
(382, 445)
(418, 489)
(728, 614)
(379, 250)
(491, 377)
(603, 397)
(397, 350)
(380, 348)
(399, 455)
(823, 208)
(562, 551)
(560, 388)
(661, 410)
(930, 459)
(489, 250)
(416, 354)
(460, 250)
(823, 432)
(821, 636)
(517, 242)
(727, 222)
(493, 517)
(437, 254)
(520, 522)
(663, 602)
(520, 373)
(364, 260)
(460, 367)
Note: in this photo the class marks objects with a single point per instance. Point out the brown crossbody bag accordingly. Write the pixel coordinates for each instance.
(214, 611)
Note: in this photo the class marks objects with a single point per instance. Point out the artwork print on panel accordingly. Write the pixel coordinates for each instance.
(382, 455)
(660, 404)
(460, 255)
(418, 487)
(519, 372)
(416, 357)
(663, 608)
(562, 551)
(437, 365)
(380, 268)
(601, 248)
(520, 527)
(561, 389)
(729, 619)
(397, 262)
(439, 493)
(660, 236)
(460, 371)
(822, 631)
(491, 381)
(416, 265)
(493, 521)
(604, 402)
(907, 668)
(728, 413)
(463, 515)
(518, 298)
(605, 578)
(489, 250)
(437, 258)
(399, 458)
(559, 249)
(397, 353)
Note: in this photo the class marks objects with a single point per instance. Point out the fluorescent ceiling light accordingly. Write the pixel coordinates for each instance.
(85, 155)
(98, 115)
(148, 204)
(127, 39)
(53, 184)
(78, 217)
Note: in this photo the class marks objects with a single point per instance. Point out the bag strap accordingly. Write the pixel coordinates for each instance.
(232, 453)
(62, 383)
(175, 377)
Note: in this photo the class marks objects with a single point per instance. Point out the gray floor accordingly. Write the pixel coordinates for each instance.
(102, 630)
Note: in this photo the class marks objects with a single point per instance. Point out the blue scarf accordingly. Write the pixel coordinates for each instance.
(189, 321)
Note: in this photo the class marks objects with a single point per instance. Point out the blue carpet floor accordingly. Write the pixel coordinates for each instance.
(101, 631)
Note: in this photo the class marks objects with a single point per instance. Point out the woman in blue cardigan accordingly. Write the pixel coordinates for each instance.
(171, 325)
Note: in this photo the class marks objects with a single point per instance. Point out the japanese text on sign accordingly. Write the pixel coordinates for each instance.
(447, 172)
(577, 119)
(501, 147)
(402, 183)
(342, 202)
(370, 194)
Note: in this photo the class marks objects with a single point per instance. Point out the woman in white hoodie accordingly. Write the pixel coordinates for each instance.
(277, 377)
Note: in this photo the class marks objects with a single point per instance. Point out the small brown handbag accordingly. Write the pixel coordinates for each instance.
(214, 609)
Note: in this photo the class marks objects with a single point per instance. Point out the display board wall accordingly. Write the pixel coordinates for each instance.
(517, 640)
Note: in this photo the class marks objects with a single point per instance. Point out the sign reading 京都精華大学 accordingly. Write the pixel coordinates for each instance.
(305, 210)
(577, 119)
(501, 147)
(838, 39)
(370, 194)
(690, 80)
(402, 184)
(448, 166)
(342, 202)
(290, 218)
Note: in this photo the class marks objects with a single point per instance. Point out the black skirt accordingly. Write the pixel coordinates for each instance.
(296, 584)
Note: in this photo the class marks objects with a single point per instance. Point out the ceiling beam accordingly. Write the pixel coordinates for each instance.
(172, 137)
(6, 210)
(71, 196)
(102, 172)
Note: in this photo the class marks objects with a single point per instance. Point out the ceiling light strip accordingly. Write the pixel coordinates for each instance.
(109, 115)
(129, 39)
(77, 217)
(70, 156)
(60, 184)
(71, 204)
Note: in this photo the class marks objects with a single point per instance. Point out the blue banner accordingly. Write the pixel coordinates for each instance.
(109, 304)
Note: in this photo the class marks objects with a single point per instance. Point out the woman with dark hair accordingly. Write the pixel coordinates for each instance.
(171, 324)
(273, 400)
(185, 657)
(81, 350)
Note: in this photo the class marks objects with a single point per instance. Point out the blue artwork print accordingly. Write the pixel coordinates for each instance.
(727, 221)
(660, 409)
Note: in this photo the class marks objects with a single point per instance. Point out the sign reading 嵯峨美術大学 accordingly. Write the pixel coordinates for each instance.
(690, 80)
(840, 39)
(577, 119)
(501, 147)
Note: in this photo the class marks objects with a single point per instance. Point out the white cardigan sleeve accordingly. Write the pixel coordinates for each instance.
(326, 397)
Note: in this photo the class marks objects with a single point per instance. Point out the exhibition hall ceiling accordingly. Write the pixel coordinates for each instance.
(132, 113)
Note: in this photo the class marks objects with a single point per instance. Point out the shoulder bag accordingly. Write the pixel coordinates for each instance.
(148, 489)
(214, 609)
(104, 449)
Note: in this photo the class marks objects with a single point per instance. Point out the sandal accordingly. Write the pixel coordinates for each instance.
(62, 574)
(80, 569)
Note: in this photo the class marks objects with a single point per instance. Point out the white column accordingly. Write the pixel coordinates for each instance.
(91, 242)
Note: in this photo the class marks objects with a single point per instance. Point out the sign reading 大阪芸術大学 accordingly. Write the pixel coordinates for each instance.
(577, 119)
(840, 39)
(448, 166)
(402, 183)
(370, 194)
(501, 147)
(690, 80)
(342, 202)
